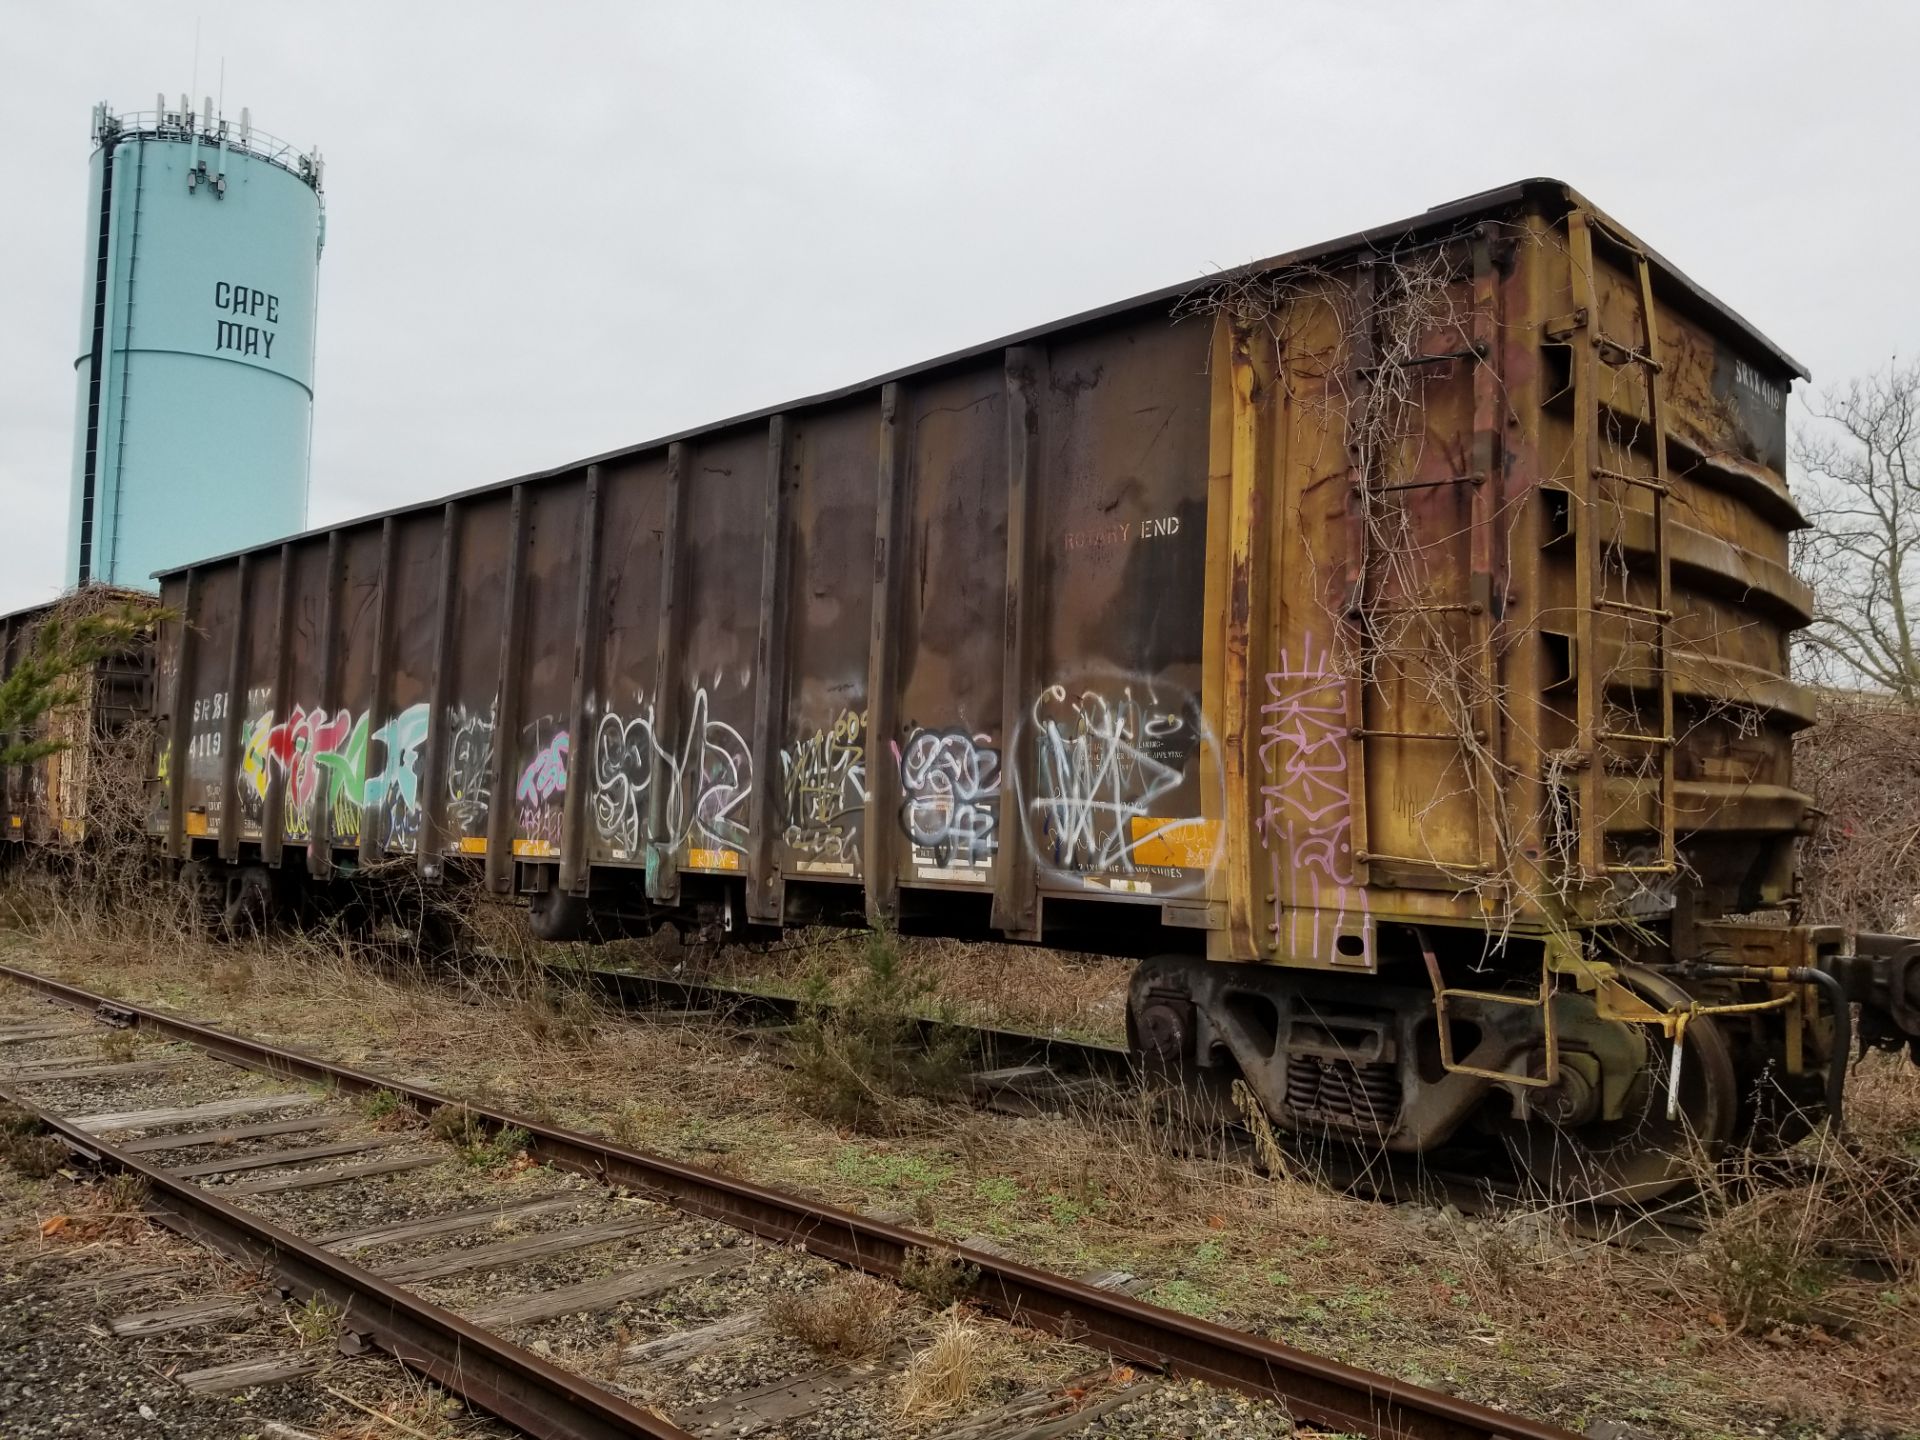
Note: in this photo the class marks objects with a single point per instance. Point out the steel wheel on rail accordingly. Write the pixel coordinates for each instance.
(1643, 1154)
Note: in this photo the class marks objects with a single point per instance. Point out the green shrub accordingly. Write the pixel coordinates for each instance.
(856, 1056)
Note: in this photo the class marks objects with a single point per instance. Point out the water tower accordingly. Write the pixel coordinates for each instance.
(195, 378)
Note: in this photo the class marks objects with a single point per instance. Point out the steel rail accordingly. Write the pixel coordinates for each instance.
(1317, 1390)
(990, 1045)
(491, 1373)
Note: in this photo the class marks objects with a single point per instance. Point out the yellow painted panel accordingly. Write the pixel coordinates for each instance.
(1185, 844)
(713, 859)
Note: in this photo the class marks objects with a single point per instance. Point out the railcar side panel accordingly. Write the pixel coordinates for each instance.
(947, 631)
(828, 525)
(709, 770)
(202, 794)
(1114, 754)
(473, 659)
(618, 761)
(402, 687)
(254, 693)
(542, 749)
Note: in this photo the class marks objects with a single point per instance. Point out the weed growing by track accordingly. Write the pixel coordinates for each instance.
(25, 1145)
(944, 1376)
(851, 1317)
(855, 1059)
(940, 1277)
(480, 1145)
(314, 1323)
(383, 1107)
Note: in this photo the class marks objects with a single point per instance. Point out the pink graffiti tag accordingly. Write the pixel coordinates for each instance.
(1306, 814)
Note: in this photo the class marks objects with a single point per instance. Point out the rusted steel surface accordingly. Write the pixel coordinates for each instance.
(1262, 610)
(489, 1372)
(1319, 1391)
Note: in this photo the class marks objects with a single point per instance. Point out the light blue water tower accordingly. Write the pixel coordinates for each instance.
(194, 408)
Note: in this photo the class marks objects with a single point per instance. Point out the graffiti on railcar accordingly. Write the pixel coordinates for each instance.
(256, 764)
(390, 795)
(541, 792)
(1107, 799)
(1306, 814)
(469, 769)
(706, 780)
(825, 776)
(950, 810)
(321, 755)
(322, 758)
(623, 752)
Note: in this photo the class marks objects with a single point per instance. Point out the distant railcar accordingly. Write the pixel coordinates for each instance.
(1388, 639)
(46, 803)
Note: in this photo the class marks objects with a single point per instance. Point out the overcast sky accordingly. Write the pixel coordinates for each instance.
(556, 230)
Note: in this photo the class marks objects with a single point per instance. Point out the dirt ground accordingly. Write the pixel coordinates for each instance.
(1757, 1331)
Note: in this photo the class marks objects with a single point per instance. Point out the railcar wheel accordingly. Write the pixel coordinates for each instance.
(1643, 1154)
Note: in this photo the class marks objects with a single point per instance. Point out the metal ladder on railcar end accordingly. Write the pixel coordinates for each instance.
(1656, 620)
(1589, 476)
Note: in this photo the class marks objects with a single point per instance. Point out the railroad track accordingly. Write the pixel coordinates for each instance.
(992, 1048)
(445, 1296)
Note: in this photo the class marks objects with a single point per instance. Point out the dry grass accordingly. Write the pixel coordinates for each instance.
(944, 1376)
(1522, 1312)
(419, 1410)
(111, 1207)
(1815, 1252)
(558, 1017)
(850, 1317)
(25, 1145)
(118, 1046)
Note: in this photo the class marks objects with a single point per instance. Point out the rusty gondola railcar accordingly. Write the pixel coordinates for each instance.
(1389, 639)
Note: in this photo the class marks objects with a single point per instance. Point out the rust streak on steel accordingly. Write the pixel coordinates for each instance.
(1316, 1390)
(492, 1373)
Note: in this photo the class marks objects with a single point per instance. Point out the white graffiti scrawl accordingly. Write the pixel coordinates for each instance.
(469, 768)
(1306, 815)
(951, 781)
(826, 794)
(708, 778)
(1109, 762)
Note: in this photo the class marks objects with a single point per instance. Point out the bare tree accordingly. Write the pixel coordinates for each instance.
(1860, 486)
